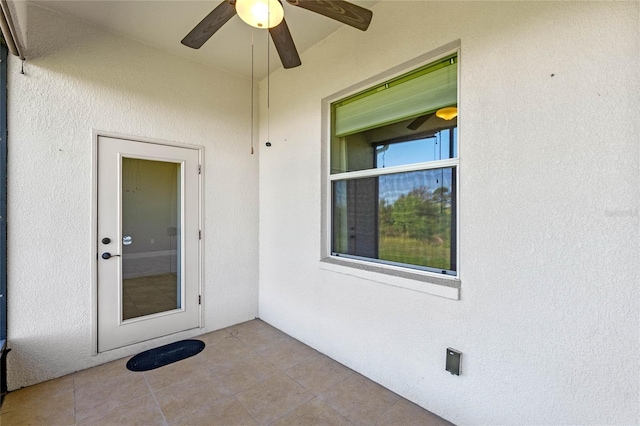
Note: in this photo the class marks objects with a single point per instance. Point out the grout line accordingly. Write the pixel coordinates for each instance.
(245, 408)
(390, 407)
(296, 407)
(75, 410)
(153, 395)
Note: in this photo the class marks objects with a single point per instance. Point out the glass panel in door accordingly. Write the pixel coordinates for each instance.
(151, 265)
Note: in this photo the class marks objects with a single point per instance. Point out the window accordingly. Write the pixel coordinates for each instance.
(393, 171)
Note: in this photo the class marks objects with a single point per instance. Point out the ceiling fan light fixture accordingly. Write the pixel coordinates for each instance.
(260, 13)
(448, 113)
(270, 14)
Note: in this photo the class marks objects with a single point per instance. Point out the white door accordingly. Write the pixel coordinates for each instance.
(148, 241)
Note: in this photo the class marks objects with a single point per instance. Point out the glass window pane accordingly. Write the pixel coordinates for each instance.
(408, 120)
(150, 237)
(440, 146)
(399, 218)
(396, 145)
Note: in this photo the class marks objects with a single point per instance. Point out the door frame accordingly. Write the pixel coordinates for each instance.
(3, 220)
(95, 134)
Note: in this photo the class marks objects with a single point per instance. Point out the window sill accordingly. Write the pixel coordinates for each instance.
(448, 288)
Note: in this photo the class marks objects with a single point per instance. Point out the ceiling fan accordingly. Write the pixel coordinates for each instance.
(270, 14)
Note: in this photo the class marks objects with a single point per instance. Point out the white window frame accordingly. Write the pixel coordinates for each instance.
(447, 286)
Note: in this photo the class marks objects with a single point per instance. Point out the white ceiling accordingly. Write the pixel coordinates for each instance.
(163, 23)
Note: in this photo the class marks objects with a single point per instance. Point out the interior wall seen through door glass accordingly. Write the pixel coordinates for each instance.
(151, 232)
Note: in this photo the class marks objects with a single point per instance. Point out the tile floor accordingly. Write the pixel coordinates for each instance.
(249, 374)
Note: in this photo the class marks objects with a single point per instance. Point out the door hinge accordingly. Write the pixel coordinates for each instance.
(199, 169)
(199, 300)
(199, 235)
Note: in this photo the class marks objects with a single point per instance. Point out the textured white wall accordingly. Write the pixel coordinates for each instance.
(79, 78)
(549, 215)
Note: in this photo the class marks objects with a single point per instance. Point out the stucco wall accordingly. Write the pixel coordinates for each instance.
(549, 215)
(78, 78)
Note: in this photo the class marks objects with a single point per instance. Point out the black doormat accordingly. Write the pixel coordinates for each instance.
(164, 355)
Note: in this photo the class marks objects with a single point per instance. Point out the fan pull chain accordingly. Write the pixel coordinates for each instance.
(268, 89)
(252, 95)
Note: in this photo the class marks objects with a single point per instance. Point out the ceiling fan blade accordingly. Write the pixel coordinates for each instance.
(342, 11)
(285, 46)
(210, 24)
(415, 124)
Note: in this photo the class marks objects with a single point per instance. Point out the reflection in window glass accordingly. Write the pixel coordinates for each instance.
(395, 144)
(440, 146)
(404, 218)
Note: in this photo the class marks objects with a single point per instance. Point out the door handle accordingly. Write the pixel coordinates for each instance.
(107, 255)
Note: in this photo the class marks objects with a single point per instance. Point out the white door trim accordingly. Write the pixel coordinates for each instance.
(95, 134)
